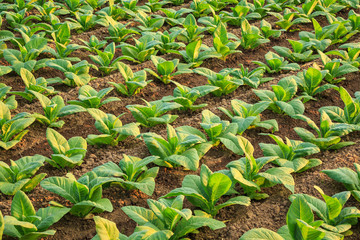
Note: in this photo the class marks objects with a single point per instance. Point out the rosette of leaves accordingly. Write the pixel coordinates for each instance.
(246, 172)
(351, 112)
(20, 175)
(54, 109)
(252, 78)
(105, 59)
(167, 219)
(118, 32)
(214, 127)
(328, 133)
(191, 31)
(309, 82)
(153, 112)
(111, 128)
(349, 178)
(166, 40)
(247, 115)
(223, 79)
(132, 173)
(300, 51)
(66, 153)
(350, 55)
(336, 218)
(178, 150)
(175, 17)
(90, 98)
(12, 129)
(281, 97)
(39, 85)
(300, 224)
(27, 55)
(166, 70)
(26, 223)
(267, 30)
(75, 75)
(275, 63)
(93, 44)
(143, 49)
(291, 154)
(186, 96)
(148, 23)
(251, 36)
(222, 43)
(205, 191)
(134, 82)
(85, 193)
(239, 14)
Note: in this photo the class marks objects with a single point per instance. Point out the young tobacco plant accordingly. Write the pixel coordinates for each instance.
(205, 191)
(53, 110)
(119, 32)
(76, 75)
(66, 153)
(336, 68)
(84, 193)
(27, 55)
(287, 19)
(39, 85)
(133, 82)
(222, 43)
(281, 98)
(190, 32)
(166, 41)
(12, 129)
(300, 52)
(174, 17)
(20, 175)
(90, 98)
(166, 70)
(309, 82)
(142, 51)
(252, 78)
(275, 63)
(186, 96)
(153, 112)
(329, 133)
(246, 172)
(350, 55)
(238, 15)
(337, 219)
(214, 127)
(148, 23)
(83, 21)
(167, 219)
(247, 115)
(111, 127)
(105, 59)
(195, 53)
(300, 224)
(132, 173)
(251, 36)
(26, 223)
(291, 153)
(349, 178)
(351, 112)
(178, 150)
(267, 31)
(223, 80)
(93, 44)
(10, 102)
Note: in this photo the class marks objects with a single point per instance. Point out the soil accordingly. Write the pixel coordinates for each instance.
(269, 213)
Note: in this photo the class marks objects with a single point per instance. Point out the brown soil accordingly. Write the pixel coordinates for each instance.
(269, 213)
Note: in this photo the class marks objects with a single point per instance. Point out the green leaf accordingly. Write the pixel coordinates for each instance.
(261, 234)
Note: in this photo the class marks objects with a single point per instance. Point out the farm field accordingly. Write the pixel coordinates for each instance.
(229, 119)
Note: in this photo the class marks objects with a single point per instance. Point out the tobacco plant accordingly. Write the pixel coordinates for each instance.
(329, 133)
(252, 78)
(148, 24)
(167, 219)
(174, 17)
(223, 80)
(249, 115)
(26, 223)
(251, 36)
(300, 51)
(275, 63)
(84, 193)
(133, 82)
(191, 32)
(166, 41)
(281, 98)
(132, 173)
(20, 175)
(10, 102)
(90, 98)
(166, 70)
(222, 43)
(291, 153)
(153, 112)
(142, 51)
(111, 128)
(205, 191)
(12, 129)
(54, 109)
(93, 44)
(186, 96)
(178, 150)
(106, 59)
(66, 153)
(119, 32)
(246, 172)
